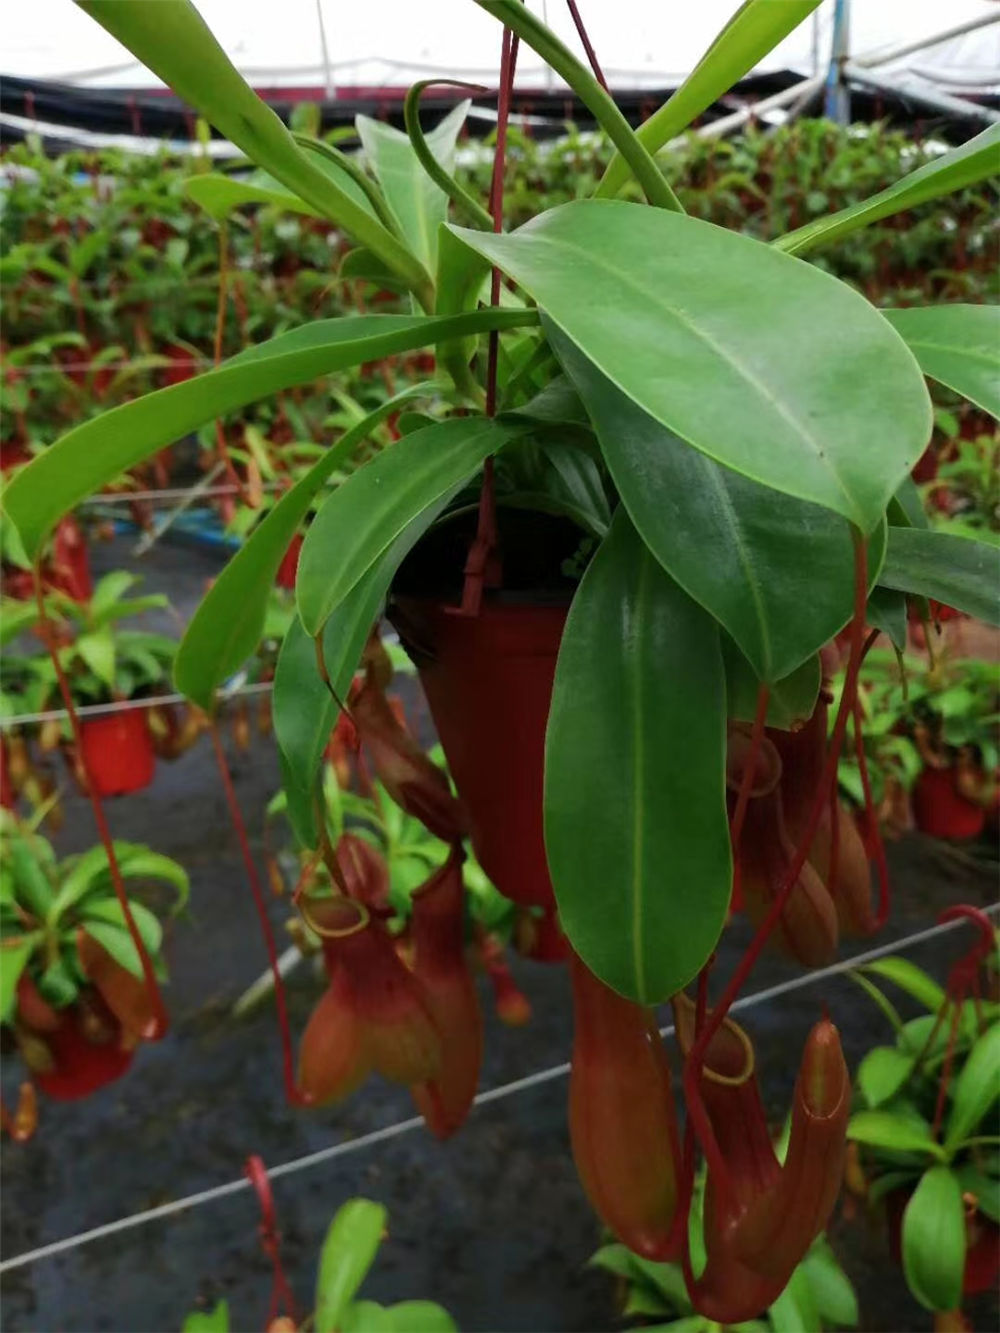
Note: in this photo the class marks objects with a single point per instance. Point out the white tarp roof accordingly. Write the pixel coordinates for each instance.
(392, 43)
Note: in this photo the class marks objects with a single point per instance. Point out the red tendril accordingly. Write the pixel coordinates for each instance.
(270, 1239)
(292, 1092)
(745, 788)
(871, 818)
(587, 44)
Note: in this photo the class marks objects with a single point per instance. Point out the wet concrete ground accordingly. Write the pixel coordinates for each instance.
(493, 1225)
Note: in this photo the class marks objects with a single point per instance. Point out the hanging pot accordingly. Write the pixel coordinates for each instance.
(488, 680)
(940, 810)
(118, 752)
(289, 567)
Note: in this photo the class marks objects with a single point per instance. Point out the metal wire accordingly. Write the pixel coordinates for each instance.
(174, 493)
(414, 1122)
(127, 705)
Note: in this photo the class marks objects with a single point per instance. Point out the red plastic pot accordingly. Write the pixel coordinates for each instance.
(289, 567)
(81, 1065)
(940, 810)
(118, 752)
(488, 680)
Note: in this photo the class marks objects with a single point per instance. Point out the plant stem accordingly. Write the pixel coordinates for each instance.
(541, 39)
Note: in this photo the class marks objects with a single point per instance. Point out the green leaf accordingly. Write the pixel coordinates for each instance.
(34, 891)
(14, 955)
(94, 453)
(975, 1089)
(906, 508)
(304, 710)
(776, 572)
(376, 503)
(175, 43)
(957, 345)
(710, 359)
(208, 1321)
(755, 29)
(229, 622)
(418, 204)
(985, 1187)
(892, 1131)
(421, 1317)
(98, 651)
(109, 589)
(791, 701)
(366, 1317)
(973, 161)
(934, 1240)
(958, 571)
(17, 618)
(221, 195)
(351, 1243)
(887, 612)
(836, 1302)
(636, 738)
(105, 921)
(795, 1309)
(911, 979)
(882, 1073)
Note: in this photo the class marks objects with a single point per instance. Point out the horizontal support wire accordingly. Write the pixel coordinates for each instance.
(128, 705)
(414, 1122)
(170, 493)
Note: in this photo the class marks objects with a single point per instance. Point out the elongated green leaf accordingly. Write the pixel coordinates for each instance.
(897, 1133)
(710, 359)
(795, 1309)
(366, 1317)
(17, 617)
(98, 651)
(973, 161)
(113, 935)
(911, 979)
(934, 1240)
(755, 29)
(221, 195)
(422, 146)
(957, 345)
(110, 589)
(173, 40)
(34, 891)
(958, 571)
(367, 513)
(777, 572)
(14, 955)
(976, 1089)
(229, 621)
(835, 1299)
(94, 453)
(349, 1249)
(304, 711)
(882, 1073)
(887, 612)
(636, 739)
(417, 202)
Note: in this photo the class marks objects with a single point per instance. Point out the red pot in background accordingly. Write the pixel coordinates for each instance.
(289, 567)
(118, 752)
(940, 810)
(488, 681)
(86, 1051)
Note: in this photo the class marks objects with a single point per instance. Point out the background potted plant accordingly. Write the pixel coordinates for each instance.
(926, 1124)
(73, 997)
(107, 663)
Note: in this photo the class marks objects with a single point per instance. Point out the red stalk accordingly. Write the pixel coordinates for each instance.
(693, 1064)
(292, 1092)
(745, 788)
(477, 565)
(871, 817)
(270, 1238)
(587, 44)
(160, 1023)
